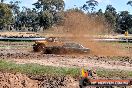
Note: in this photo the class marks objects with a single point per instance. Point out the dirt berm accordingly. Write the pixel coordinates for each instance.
(18, 80)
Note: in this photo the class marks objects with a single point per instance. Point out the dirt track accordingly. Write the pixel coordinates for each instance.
(87, 62)
(25, 56)
(73, 61)
(22, 53)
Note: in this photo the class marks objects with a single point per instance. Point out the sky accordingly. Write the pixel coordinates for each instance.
(120, 5)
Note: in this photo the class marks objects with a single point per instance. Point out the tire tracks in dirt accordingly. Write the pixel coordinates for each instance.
(69, 61)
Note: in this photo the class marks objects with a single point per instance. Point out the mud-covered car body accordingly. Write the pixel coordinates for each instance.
(67, 48)
(75, 47)
(51, 46)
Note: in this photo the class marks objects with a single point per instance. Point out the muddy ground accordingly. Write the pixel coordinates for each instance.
(22, 53)
(18, 80)
(124, 63)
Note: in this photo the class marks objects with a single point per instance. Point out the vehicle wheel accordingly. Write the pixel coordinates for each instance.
(39, 47)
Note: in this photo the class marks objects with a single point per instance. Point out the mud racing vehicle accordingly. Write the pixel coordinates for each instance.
(52, 46)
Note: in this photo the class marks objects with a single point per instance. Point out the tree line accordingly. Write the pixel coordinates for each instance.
(45, 14)
(117, 22)
(49, 13)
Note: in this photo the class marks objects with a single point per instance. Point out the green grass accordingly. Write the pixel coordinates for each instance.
(35, 69)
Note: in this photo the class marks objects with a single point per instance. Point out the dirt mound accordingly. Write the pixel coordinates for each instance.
(9, 80)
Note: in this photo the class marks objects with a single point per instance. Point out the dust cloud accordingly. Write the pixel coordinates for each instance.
(83, 29)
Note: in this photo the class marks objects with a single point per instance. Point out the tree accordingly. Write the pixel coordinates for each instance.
(5, 14)
(100, 16)
(27, 18)
(85, 8)
(111, 17)
(129, 3)
(125, 21)
(2, 1)
(15, 7)
(50, 5)
(49, 12)
(75, 10)
(91, 4)
(100, 13)
(111, 9)
(46, 19)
